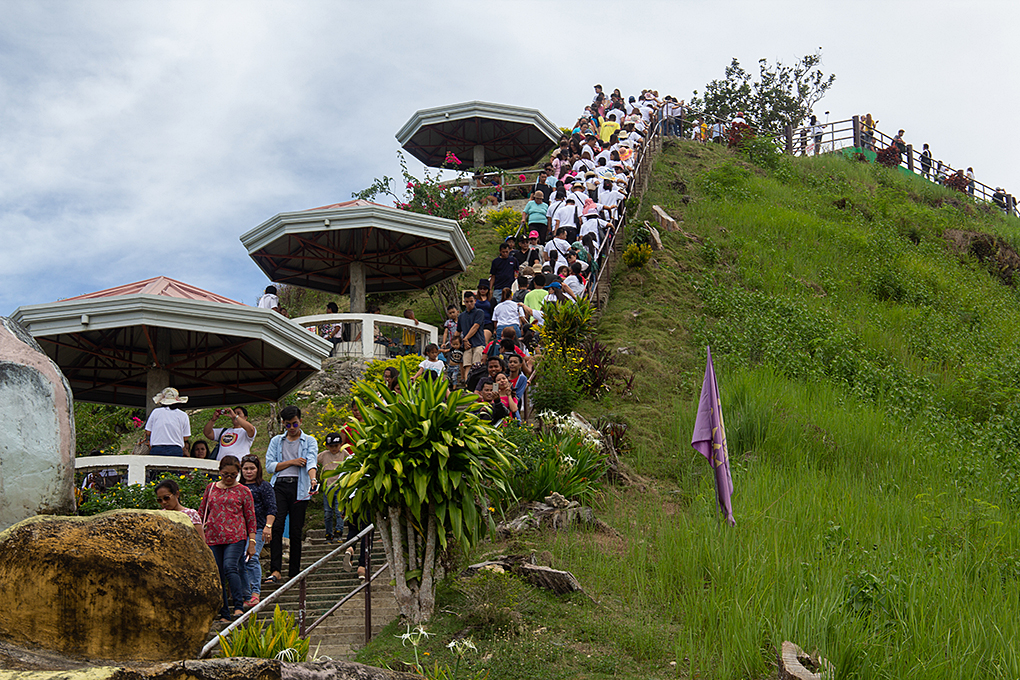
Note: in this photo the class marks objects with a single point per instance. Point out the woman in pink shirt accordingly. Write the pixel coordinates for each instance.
(228, 514)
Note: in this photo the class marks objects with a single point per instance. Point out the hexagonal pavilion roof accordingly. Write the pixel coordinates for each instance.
(400, 250)
(218, 352)
(511, 136)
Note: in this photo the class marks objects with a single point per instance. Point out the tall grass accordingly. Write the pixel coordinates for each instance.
(869, 380)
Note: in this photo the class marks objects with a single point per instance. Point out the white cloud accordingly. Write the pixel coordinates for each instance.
(139, 139)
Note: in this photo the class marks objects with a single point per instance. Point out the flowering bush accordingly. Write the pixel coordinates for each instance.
(737, 134)
(889, 157)
(98, 426)
(427, 196)
(595, 362)
(143, 496)
(405, 364)
(330, 419)
(563, 458)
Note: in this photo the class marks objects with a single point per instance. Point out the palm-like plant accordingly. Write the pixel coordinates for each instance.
(424, 468)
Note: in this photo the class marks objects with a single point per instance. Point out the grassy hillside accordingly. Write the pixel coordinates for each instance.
(869, 380)
(869, 377)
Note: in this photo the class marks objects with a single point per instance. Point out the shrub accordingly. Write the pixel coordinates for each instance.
(595, 361)
(762, 151)
(494, 601)
(563, 460)
(567, 324)
(282, 640)
(505, 221)
(405, 364)
(556, 387)
(143, 496)
(330, 419)
(637, 255)
(97, 427)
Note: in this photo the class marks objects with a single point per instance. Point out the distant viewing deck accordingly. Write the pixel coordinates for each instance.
(385, 332)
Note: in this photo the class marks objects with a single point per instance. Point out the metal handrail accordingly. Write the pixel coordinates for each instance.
(296, 580)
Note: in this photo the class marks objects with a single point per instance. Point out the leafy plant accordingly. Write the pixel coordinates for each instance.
(281, 640)
(425, 469)
(405, 364)
(98, 426)
(428, 196)
(596, 360)
(567, 324)
(782, 95)
(561, 460)
(637, 255)
(505, 221)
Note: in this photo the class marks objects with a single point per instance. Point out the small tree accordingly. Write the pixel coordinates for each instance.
(425, 470)
(783, 95)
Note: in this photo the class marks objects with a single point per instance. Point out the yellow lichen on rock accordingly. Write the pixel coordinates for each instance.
(122, 585)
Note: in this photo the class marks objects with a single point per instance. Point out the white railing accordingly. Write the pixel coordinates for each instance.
(362, 344)
(138, 466)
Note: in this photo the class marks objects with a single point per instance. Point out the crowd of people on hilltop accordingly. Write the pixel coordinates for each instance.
(488, 343)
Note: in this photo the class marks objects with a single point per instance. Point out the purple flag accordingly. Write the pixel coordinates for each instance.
(709, 439)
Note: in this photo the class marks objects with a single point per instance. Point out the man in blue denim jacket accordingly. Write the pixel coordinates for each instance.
(291, 459)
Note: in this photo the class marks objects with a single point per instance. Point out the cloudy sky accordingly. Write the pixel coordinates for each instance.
(143, 138)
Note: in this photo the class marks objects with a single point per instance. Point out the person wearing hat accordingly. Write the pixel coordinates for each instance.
(168, 428)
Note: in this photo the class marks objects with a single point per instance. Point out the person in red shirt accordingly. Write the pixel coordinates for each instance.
(228, 514)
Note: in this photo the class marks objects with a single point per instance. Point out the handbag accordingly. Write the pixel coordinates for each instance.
(216, 449)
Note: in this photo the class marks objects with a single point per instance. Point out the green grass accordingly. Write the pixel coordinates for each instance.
(869, 381)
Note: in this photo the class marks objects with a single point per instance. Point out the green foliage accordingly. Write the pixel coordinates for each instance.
(143, 496)
(560, 460)
(407, 363)
(98, 426)
(329, 419)
(421, 449)
(505, 221)
(596, 361)
(782, 95)
(762, 151)
(568, 323)
(280, 640)
(637, 255)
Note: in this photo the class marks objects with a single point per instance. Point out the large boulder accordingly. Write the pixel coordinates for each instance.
(36, 430)
(135, 585)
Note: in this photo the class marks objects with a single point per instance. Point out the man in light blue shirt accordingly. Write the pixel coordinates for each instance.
(291, 459)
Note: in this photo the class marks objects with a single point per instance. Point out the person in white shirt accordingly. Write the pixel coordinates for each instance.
(235, 440)
(573, 282)
(270, 301)
(559, 245)
(168, 428)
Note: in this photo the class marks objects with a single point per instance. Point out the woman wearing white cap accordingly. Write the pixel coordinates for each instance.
(168, 428)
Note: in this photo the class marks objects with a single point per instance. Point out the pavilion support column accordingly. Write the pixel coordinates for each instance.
(479, 159)
(157, 378)
(358, 288)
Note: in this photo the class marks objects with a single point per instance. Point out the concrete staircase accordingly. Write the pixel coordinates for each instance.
(343, 633)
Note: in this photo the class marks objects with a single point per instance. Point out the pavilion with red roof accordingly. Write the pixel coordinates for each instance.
(124, 344)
